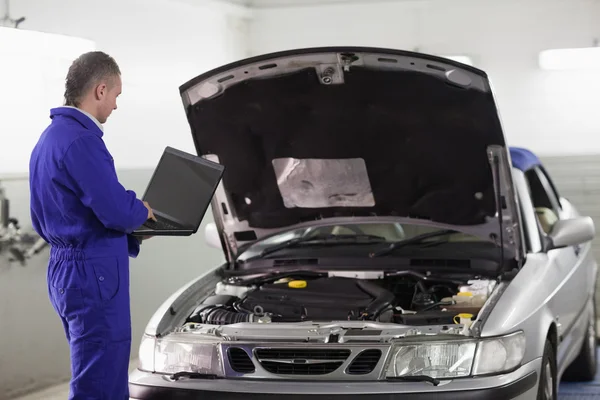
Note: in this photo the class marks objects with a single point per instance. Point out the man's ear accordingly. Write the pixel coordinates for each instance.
(100, 91)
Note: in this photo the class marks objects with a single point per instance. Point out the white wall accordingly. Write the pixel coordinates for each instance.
(553, 113)
(159, 45)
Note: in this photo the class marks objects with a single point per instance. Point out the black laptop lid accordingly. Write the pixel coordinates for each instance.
(182, 187)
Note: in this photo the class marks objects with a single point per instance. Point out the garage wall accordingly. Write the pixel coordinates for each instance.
(554, 113)
(159, 44)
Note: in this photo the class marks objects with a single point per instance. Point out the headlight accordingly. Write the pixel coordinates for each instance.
(436, 358)
(499, 354)
(455, 358)
(180, 353)
(146, 354)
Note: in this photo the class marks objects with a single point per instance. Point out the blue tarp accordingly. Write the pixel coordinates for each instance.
(523, 159)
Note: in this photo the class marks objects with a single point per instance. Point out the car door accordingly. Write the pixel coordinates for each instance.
(571, 279)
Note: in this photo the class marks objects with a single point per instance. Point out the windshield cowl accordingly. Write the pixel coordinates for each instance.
(373, 239)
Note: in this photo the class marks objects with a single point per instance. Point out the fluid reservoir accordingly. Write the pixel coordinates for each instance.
(468, 299)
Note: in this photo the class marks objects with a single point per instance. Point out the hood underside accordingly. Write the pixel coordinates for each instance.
(345, 132)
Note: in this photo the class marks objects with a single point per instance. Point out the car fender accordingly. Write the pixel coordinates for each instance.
(524, 306)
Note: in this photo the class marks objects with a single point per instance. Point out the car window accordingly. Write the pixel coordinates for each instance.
(549, 186)
(544, 200)
(390, 232)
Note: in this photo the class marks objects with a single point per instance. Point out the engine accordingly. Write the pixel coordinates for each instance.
(322, 299)
(410, 299)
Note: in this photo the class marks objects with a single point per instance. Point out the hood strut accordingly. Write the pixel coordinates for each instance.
(506, 205)
(499, 202)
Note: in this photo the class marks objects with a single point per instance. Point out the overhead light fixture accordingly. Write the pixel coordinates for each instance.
(21, 42)
(461, 59)
(32, 81)
(569, 59)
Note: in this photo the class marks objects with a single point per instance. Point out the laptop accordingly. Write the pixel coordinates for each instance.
(179, 192)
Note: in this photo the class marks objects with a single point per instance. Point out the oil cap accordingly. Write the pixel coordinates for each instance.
(297, 284)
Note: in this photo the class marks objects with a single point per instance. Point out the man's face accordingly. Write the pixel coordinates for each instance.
(107, 94)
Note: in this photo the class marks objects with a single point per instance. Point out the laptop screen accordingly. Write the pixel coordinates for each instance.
(183, 186)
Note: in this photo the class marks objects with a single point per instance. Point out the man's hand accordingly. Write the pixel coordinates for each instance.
(150, 212)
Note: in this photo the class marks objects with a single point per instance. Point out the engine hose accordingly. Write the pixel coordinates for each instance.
(383, 297)
(220, 316)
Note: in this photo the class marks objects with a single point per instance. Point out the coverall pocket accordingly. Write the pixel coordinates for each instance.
(106, 271)
(68, 303)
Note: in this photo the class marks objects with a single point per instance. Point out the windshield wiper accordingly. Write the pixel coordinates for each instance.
(319, 239)
(414, 378)
(413, 240)
(192, 375)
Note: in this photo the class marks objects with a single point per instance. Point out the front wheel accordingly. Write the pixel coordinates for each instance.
(583, 368)
(547, 386)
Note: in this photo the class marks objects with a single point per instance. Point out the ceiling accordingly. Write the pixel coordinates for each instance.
(288, 3)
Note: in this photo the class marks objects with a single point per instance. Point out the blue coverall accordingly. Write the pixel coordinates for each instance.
(79, 207)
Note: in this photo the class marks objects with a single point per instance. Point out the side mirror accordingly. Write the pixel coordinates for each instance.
(211, 236)
(572, 232)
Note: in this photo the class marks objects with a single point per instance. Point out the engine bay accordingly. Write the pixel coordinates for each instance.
(401, 297)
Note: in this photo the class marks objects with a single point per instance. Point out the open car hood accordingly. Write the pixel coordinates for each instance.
(314, 134)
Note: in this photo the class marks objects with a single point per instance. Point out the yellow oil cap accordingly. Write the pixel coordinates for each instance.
(297, 284)
(464, 294)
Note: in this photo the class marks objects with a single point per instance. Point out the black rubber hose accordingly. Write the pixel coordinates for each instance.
(220, 316)
(383, 298)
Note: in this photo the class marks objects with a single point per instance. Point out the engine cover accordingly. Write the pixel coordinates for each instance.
(322, 299)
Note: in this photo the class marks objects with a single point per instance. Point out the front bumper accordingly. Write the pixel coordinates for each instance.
(521, 384)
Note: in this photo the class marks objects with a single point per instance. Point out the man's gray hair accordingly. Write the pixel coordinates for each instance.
(88, 70)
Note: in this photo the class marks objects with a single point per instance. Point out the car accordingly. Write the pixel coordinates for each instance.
(382, 240)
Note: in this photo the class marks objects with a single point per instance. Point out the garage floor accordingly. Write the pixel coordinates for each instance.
(567, 391)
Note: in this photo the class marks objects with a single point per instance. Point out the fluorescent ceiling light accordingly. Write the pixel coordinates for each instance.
(461, 59)
(33, 67)
(563, 59)
(42, 44)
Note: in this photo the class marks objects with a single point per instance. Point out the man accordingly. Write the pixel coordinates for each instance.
(79, 207)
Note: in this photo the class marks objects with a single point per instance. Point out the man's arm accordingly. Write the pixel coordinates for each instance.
(133, 246)
(90, 167)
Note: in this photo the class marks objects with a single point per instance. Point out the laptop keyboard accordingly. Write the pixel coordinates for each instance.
(159, 225)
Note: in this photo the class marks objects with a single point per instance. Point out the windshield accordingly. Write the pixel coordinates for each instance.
(385, 232)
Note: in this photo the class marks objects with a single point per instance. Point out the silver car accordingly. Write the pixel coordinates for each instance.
(382, 241)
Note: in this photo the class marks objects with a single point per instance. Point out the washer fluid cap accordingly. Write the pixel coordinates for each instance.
(464, 294)
(297, 284)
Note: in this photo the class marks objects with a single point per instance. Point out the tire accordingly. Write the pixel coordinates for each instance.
(583, 368)
(548, 386)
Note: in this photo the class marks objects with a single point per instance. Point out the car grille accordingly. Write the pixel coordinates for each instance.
(240, 360)
(301, 361)
(365, 362)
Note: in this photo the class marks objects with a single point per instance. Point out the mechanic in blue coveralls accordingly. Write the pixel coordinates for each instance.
(79, 207)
